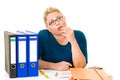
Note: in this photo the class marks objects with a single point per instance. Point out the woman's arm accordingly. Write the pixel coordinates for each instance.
(77, 55)
(54, 66)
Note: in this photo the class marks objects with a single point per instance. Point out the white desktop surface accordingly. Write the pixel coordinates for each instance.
(5, 76)
(114, 73)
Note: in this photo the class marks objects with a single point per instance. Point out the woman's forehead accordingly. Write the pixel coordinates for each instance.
(53, 15)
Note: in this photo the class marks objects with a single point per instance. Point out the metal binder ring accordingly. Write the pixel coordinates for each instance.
(22, 65)
(13, 66)
(33, 65)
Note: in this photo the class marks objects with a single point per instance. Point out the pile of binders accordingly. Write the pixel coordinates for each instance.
(21, 57)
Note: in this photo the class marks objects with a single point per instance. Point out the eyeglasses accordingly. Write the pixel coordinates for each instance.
(58, 19)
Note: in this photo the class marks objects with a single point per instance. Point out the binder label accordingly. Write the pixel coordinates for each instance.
(33, 50)
(22, 49)
(13, 50)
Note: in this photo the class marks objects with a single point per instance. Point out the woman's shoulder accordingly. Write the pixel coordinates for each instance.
(78, 32)
(80, 36)
(43, 32)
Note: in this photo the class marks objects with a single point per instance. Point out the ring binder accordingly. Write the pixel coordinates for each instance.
(10, 53)
(21, 52)
(32, 53)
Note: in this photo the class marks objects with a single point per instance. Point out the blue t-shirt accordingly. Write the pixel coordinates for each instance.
(50, 50)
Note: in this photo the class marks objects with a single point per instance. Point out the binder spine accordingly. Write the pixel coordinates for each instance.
(32, 51)
(10, 53)
(12, 56)
(21, 56)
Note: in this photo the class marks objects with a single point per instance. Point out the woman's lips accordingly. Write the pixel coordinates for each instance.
(59, 28)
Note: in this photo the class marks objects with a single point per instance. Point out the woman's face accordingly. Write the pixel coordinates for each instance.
(55, 21)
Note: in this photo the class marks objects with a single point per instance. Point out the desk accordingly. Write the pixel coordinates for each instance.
(62, 75)
(4, 76)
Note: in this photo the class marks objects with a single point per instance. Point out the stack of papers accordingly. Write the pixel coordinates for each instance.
(54, 74)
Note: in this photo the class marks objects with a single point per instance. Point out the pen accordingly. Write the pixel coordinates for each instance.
(43, 73)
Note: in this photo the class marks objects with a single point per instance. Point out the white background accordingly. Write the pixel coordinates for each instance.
(98, 19)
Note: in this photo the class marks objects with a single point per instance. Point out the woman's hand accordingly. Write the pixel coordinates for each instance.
(63, 65)
(68, 32)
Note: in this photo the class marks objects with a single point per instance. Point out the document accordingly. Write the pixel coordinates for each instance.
(54, 74)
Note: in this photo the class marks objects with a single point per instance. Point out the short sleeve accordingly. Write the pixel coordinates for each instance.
(82, 42)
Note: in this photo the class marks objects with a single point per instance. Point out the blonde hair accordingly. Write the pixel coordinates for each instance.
(49, 10)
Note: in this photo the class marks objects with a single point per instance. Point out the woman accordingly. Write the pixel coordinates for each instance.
(59, 46)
